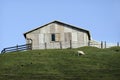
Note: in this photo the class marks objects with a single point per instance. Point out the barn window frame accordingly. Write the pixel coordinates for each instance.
(52, 37)
(55, 37)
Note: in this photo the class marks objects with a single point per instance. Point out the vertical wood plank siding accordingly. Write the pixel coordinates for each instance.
(67, 36)
(62, 33)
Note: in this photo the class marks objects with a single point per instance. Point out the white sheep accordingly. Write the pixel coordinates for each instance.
(80, 53)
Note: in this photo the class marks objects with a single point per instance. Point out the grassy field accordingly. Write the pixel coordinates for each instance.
(97, 64)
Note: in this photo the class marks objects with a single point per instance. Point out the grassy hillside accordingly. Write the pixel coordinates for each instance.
(97, 64)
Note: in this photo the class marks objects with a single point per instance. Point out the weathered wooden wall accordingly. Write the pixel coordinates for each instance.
(63, 34)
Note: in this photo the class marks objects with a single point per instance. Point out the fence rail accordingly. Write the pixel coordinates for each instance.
(104, 44)
(59, 45)
(17, 48)
(74, 44)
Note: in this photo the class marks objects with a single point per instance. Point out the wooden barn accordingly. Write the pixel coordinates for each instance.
(57, 34)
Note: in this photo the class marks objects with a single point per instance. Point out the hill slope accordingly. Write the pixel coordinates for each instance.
(97, 64)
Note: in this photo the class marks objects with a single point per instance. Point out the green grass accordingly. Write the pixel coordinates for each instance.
(56, 64)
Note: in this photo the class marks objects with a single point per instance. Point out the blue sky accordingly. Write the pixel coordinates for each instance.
(100, 17)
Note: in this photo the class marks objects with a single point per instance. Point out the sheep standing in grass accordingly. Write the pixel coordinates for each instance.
(80, 53)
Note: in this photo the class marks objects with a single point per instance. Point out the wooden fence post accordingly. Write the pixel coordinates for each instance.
(27, 46)
(102, 44)
(117, 44)
(45, 45)
(70, 44)
(31, 46)
(89, 43)
(60, 45)
(105, 44)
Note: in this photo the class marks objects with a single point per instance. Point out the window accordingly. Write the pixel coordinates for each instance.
(52, 37)
(55, 37)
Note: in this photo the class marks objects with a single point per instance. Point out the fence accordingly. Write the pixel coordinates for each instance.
(73, 44)
(104, 44)
(17, 48)
(59, 45)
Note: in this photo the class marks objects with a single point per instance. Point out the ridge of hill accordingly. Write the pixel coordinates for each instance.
(61, 64)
